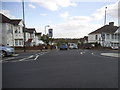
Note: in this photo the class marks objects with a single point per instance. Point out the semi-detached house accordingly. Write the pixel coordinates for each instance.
(30, 36)
(12, 31)
(106, 36)
(13, 35)
(18, 32)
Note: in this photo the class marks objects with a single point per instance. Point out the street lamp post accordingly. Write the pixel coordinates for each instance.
(50, 34)
(105, 16)
(45, 28)
(24, 24)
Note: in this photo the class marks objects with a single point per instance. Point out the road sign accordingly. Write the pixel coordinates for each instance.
(50, 32)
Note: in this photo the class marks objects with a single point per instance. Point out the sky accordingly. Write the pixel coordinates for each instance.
(67, 18)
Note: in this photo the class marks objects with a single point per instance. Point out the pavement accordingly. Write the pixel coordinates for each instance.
(62, 69)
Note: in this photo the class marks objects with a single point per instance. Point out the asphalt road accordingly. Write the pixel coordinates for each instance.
(61, 69)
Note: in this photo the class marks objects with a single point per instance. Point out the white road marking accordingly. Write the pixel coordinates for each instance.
(111, 54)
(26, 58)
(36, 57)
(8, 58)
(92, 53)
(81, 52)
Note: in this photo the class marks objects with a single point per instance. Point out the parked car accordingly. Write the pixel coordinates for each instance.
(115, 47)
(88, 46)
(73, 46)
(6, 51)
(63, 46)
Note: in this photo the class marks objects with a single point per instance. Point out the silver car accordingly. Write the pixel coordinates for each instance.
(6, 51)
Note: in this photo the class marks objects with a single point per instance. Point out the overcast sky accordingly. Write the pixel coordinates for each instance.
(67, 18)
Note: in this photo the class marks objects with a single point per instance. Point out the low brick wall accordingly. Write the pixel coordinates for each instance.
(29, 48)
(34, 47)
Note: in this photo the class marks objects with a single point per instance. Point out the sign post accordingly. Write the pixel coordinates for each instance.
(50, 34)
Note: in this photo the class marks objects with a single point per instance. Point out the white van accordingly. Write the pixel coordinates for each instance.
(72, 46)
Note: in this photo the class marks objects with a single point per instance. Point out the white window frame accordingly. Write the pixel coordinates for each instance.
(16, 43)
(20, 42)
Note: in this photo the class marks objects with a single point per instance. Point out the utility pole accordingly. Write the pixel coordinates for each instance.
(105, 16)
(24, 24)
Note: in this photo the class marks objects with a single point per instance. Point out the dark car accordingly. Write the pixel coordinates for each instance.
(63, 46)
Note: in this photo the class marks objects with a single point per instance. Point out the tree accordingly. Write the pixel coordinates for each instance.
(46, 39)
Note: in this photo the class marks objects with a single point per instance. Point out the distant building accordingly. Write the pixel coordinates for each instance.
(106, 36)
(83, 40)
(38, 39)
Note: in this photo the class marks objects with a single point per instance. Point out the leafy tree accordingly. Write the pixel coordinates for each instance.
(45, 39)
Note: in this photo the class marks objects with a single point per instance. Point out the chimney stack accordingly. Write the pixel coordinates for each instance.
(111, 23)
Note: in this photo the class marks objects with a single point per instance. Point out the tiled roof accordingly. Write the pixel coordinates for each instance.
(30, 30)
(29, 40)
(105, 29)
(5, 19)
(37, 33)
(15, 21)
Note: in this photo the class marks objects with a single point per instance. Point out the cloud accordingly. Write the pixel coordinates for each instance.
(79, 19)
(112, 11)
(32, 6)
(64, 15)
(54, 5)
(73, 30)
(75, 26)
(70, 30)
(43, 14)
(7, 13)
(79, 26)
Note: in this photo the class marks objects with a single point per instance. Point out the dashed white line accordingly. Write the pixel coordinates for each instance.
(81, 52)
(26, 58)
(36, 57)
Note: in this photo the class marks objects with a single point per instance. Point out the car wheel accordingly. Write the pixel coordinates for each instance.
(4, 54)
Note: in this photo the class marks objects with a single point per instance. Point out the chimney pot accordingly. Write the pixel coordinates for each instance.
(111, 23)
